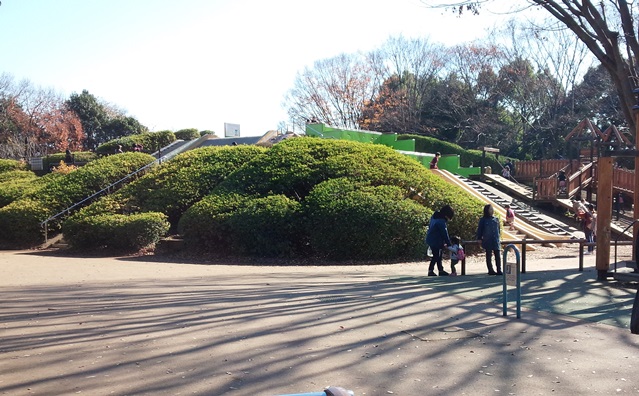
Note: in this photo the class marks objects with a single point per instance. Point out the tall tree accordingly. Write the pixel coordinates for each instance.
(417, 63)
(395, 109)
(91, 113)
(102, 121)
(606, 27)
(120, 126)
(333, 91)
(34, 121)
(472, 108)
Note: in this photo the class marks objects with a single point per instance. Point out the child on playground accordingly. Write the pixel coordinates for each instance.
(579, 207)
(510, 218)
(456, 254)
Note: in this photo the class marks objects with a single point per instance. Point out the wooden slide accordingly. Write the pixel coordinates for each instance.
(522, 228)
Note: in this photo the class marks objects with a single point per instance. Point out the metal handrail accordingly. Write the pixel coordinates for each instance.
(161, 158)
(80, 203)
(524, 242)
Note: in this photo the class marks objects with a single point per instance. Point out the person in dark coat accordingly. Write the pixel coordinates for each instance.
(68, 157)
(489, 235)
(437, 238)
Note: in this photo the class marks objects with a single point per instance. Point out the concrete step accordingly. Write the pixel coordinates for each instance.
(625, 276)
(624, 264)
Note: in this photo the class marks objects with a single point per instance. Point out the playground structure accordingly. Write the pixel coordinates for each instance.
(537, 182)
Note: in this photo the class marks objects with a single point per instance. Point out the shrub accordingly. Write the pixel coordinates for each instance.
(177, 184)
(115, 232)
(347, 222)
(150, 141)
(354, 197)
(58, 193)
(266, 227)
(14, 184)
(63, 168)
(205, 224)
(187, 134)
(11, 165)
(17, 175)
(294, 166)
(20, 224)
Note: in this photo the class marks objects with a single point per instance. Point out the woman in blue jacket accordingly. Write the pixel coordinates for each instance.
(437, 238)
(489, 234)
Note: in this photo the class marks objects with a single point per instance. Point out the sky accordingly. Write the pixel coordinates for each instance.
(202, 63)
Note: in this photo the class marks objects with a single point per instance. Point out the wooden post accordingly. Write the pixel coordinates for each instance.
(483, 162)
(604, 216)
(635, 199)
(523, 256)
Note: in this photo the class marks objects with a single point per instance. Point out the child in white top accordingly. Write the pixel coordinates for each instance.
(454, 251)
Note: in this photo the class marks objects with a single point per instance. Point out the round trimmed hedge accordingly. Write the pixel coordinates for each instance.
(347, 222)
(238, 224)
(115, 232)
(187, 134)
(358, 201)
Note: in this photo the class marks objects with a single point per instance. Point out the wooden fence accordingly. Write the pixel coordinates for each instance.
(543, 174)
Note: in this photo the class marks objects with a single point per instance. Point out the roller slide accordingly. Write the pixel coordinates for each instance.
(522, 228)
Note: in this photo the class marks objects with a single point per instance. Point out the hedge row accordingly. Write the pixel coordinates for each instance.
(20, 220)
(78, 157)
(150, 141)
(425, 144)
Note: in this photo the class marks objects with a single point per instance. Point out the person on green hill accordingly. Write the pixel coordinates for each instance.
(437, 238)
(68, 157)
(435, 160)
(489, 235)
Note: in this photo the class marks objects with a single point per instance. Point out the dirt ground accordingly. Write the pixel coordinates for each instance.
(151, 325)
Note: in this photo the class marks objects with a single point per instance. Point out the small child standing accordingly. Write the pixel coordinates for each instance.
(510, 218)
(456, 254)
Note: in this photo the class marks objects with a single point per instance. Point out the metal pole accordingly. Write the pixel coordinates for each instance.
(507, 278)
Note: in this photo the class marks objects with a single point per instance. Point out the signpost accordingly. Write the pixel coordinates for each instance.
(512, 277)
